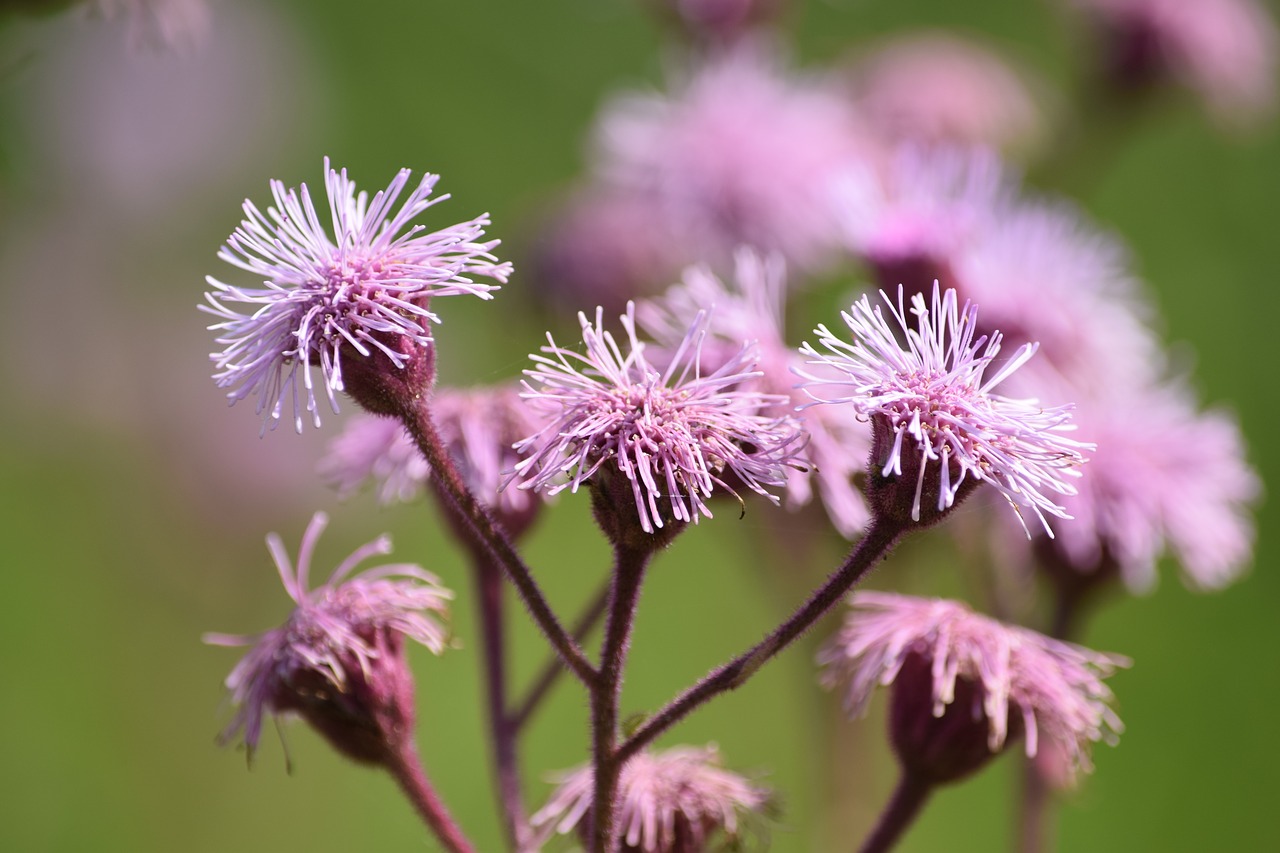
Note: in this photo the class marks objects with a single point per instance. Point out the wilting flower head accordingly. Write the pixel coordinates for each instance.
(742, 153)
(669, 802)
(937, 428)
(1165, 477)
(936, 88)
(1224, 50)
(750, 308)
(940, 656)
(674, 436)
(333, 301)
(338, 661)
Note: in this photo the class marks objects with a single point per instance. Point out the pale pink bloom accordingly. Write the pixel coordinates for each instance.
(174, 24)
(742, 151)
(356, 286)
(377, 449)
(922, 210)
(676, 435)
(1041, 272)
(1052, 688)
(675, 801)
(1166, 477)
(751, 308)
(936, 421)
(338, 659)
(1224, 50)
(939, 88)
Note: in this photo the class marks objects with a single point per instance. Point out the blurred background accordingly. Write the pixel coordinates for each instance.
(134, 502)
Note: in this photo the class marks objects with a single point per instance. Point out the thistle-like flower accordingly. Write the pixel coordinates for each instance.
(965, 684)
(751, 308)
(676, 801)
(339, 660)
(673, 436)
(937, 429)
(358, 297)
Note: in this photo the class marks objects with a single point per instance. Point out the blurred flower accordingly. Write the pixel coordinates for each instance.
(1165, 476)
(932, 403)
(938, 652)
(937, 88)
(909, 221)
(720, 21)
(741, 152)
(675, 436)
(366, 293)
(838, 440)
(670, 802)
(338, 661)
(1224, 50)
(175, 24)
(375, 448)
(1042, 273)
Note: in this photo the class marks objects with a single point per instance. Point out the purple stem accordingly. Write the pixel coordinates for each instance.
(551, 672)
(908, 798)
(491, 538)
(628, 576)
(489, 588)
(873, 546)
(406, 767)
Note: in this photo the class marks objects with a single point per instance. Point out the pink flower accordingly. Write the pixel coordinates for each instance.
(937, 426)
(1224, 50)
(1165, 477)
(669, 802)
(741, 152)
(175, 24)
(338, 661)
(675, 435)
(378, 449)
(362, 291)
(751, 309)
(1042, 273)
(938, 88)
(1048, 688)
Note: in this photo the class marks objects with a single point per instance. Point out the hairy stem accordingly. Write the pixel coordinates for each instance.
(406, 767)
(542, 685)
(490, 537)
(908, 798)
(874, 545)
(489, 597)
(607, 764)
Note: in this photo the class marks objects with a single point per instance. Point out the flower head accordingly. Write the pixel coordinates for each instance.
(670, 802)
(939, 654)
(750, 308)
(937, 428)
(674, 436)
(1165, 477)
(338, 661)
(935, 88)
(377, 449)
(1223, 50)
(329, 300)
(742, 152)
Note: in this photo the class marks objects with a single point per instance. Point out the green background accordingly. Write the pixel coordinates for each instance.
(133, 502)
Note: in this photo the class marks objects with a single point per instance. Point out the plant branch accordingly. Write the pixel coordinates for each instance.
(542, 685)
(490, 537)
(874, 545)
(406, 768)
(908, 798)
